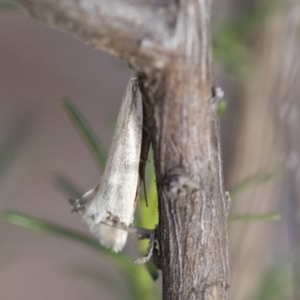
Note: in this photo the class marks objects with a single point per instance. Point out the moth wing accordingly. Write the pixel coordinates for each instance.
(115, 199)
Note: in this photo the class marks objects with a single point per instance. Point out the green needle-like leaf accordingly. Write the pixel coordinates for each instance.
(6, 4)
(255, 217)
(29, 222)
(148, 215)
(276, 284)
(86, 132)
(221, 108)
(254, 180)
(66, 186)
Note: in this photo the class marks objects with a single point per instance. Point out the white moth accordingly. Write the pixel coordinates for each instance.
(113, 200)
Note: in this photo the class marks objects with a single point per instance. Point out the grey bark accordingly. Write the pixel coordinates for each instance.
(168, 42)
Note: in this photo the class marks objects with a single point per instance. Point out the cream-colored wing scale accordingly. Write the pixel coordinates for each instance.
(114, 199)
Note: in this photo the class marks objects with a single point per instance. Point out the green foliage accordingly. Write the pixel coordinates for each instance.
(147, 216)
(66, 186)
(11, 145)
(250, 182)
(222, 108)
(253, 181)
(9, 5)
(230, 49)
(276, 284)
(138, 278)
(231, 38)
(86, 132)
(141, 278)
(58, 230)
(255, 217)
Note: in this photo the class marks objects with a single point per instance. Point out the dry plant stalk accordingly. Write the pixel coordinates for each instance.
(168, 42)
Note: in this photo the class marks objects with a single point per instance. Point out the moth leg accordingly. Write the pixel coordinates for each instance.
(141, 233)
(149, 251)
(152, 250)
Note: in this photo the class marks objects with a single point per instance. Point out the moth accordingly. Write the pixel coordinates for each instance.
(113, 201)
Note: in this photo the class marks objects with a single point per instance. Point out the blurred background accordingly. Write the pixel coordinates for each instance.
(256, 46)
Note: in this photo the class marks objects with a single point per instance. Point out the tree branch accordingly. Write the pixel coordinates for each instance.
(168, 42)
(131, 29)
(193, 206)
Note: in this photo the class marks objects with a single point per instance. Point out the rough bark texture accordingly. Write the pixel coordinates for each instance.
(169, 44)
(192, 208)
